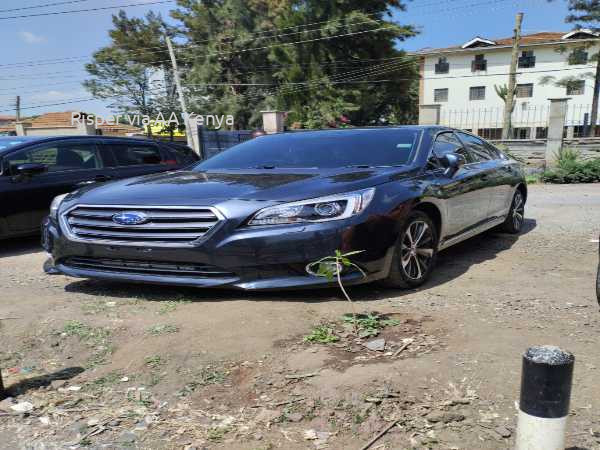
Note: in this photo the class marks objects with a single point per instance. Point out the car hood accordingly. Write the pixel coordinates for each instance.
(211, 187)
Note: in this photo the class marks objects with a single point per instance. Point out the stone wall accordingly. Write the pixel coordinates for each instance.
(533, 152)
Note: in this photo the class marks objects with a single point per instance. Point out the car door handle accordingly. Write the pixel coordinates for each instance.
(102, 178)
(485, 177)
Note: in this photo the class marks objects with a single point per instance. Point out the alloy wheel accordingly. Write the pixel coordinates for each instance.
(518, 210)
(416, 249)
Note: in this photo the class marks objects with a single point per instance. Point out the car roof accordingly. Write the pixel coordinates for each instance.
(24, 141)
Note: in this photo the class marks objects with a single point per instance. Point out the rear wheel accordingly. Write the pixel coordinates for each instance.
(516, 215)
(415, 252)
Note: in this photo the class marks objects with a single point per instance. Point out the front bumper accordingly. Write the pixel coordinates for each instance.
(261, 258)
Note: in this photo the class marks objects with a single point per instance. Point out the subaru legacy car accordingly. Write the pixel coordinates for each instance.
(33, 170)
(258, 214)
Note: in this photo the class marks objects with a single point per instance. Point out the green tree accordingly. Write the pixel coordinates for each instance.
(320, 81)
(586, 14)
(128, 71)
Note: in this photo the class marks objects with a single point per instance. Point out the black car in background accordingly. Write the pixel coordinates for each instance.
(258, 214)
(34, 170)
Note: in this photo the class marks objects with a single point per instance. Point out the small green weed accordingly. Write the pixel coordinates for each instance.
(154, 361)
(108, 379)
(369, 324)
(216, 434)
(170, 306)
(205, 376)
(321, 334)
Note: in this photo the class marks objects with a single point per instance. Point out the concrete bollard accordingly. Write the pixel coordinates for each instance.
(546, 382)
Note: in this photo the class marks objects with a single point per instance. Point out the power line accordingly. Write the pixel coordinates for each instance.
(47, 5)
(73, 11)
(192, 44)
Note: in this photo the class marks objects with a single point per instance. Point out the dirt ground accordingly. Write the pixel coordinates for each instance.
(124, 366)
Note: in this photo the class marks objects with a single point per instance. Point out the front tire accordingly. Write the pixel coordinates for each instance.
(514, 221)
(415, 252)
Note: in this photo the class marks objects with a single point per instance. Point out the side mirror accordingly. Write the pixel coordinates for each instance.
(452, 162)
(30, 169)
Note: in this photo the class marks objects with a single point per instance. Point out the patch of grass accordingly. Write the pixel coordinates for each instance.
(369, 325)
(533, 178)
(95, 337)
(155, 378)
(321, 334)
(85, 332)
(158, 330)
(205, 376)
(108, 379)
(154, 361)
(170, 306)
(100, 356)
(216, 434)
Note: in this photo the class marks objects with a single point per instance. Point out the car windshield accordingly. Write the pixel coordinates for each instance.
(319, 149)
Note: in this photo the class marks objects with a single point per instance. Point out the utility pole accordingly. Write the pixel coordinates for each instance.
(18, 108)
(188, 128)
(512, 78)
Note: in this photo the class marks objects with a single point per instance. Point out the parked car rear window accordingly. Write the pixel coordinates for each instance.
(319, 149)
(136, 154)
(183, 155)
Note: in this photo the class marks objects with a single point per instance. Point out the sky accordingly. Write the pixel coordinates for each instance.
(441, 23)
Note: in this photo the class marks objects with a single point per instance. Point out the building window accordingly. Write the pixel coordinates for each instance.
(525, 90)
(541, 132)
(527, 60)
(442, 66)
(477, 93)
(578, 56)
(479, 63)
(576, 87)
(521, 133)
(440, 95)
(490, 133)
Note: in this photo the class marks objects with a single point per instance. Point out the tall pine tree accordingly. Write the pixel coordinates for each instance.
(330, 77)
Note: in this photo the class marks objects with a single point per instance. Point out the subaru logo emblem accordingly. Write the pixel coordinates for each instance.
(130, 218)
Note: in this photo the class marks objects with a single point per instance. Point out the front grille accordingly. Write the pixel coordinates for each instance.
(137, 267)
(166, 226)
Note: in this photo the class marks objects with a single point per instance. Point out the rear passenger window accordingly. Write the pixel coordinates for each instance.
(481, 150)
(136, 155)
(183, 156)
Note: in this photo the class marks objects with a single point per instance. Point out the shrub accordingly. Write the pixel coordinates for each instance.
(571, 169)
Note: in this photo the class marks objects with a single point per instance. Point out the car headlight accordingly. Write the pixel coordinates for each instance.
(55, 205)
(332, 207)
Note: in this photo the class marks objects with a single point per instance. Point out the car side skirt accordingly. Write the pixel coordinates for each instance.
(471, 232)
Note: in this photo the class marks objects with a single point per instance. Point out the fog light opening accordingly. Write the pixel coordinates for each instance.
(324, 269)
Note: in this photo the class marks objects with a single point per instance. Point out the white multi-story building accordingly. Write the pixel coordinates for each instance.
(463, 81)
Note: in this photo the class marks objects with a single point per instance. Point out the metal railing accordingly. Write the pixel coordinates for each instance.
(527, 121)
